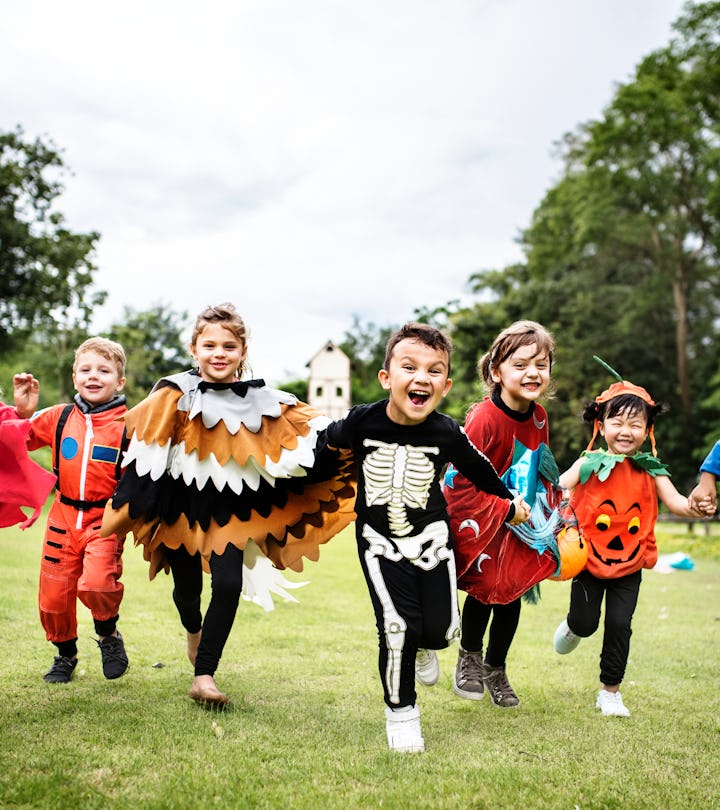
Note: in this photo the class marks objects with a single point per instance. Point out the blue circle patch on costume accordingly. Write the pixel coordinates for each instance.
(69, 447)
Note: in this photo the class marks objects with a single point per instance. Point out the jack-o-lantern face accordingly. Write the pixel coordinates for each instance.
(616, 538)
(617, 519)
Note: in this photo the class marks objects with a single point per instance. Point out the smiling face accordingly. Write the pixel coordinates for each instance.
(625, 432)
(96, 378)
(417, 379)
(523, 377)
(219, 353)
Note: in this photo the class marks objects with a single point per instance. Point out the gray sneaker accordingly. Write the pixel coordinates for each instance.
(469, 674)
(499, 689)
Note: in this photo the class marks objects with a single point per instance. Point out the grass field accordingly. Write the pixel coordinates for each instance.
(306, 727)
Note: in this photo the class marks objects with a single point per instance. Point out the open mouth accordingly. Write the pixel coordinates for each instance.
(419, 397)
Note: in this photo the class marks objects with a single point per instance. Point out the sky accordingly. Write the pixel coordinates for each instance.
(311, 161)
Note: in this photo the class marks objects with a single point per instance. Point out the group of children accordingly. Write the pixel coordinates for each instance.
(215, 472)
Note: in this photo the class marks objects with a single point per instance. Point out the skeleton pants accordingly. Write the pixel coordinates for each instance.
(415, 604)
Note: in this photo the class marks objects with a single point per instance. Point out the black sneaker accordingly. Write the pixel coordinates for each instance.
(61, 671)
(114, 657)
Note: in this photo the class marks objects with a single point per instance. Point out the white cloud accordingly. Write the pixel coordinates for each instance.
(311, 160)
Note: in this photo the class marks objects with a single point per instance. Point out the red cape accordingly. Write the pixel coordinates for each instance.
(23, 483)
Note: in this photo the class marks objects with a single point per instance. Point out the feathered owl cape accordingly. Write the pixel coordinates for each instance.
(210, 464)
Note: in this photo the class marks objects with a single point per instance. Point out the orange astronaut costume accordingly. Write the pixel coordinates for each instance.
(77, 563)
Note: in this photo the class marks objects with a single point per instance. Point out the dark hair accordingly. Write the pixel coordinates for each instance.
(421, 332)
(623, 403)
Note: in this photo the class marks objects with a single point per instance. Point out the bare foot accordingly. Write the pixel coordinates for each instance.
(193, 642)
(204, 690)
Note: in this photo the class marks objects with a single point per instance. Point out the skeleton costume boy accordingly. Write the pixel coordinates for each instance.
(402, 531)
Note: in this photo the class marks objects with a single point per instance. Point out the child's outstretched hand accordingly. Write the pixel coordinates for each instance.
(522, 511)
(26, 391)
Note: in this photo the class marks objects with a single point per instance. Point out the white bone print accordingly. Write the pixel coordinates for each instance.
(398, 476)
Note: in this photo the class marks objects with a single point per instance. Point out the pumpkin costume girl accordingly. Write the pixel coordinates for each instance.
(615, 498)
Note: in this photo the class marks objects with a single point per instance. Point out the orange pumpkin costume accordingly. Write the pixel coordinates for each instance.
(617, 513)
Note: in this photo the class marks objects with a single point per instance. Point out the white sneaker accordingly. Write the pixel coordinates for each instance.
(403, 730)
(564, 639)
(611, 704)
(427, 667)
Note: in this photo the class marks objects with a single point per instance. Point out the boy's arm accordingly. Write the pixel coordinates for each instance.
(479, 470)
(712, 461)
(26, 392)
(678, 504)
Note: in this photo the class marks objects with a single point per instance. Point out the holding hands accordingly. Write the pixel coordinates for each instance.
(703, 499)
(522, 511)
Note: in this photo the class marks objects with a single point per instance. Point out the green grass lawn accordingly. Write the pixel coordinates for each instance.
(306, 725)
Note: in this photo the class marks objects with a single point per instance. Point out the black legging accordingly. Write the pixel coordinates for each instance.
(475, 618)
(188, 583)
(621, 596)
(226, 585)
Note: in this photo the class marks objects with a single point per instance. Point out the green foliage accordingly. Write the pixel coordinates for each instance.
(152, 343)
(46, 270)
(602, 463)
(364, 344)
(297, 387)
(623, 254)
(153, 347)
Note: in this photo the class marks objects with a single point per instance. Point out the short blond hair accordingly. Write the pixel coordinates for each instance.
(106, 348)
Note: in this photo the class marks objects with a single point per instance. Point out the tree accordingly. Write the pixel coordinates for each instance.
(622, 254)
(153, 345)
(364, 344)
(46, 270)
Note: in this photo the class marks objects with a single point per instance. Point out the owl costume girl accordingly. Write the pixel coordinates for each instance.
(225, 473)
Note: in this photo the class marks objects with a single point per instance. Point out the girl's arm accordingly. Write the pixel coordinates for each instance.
(571, 477)
(678, 504)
